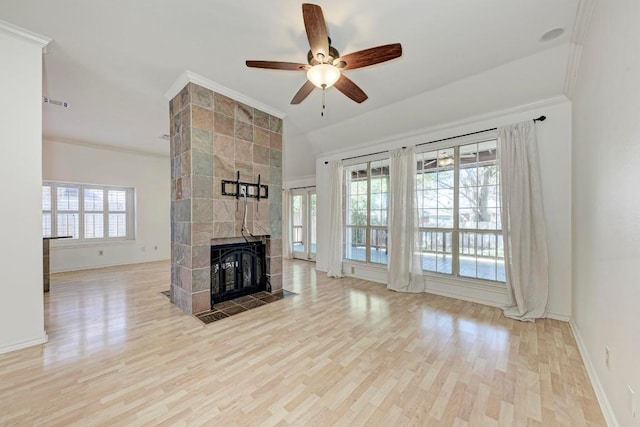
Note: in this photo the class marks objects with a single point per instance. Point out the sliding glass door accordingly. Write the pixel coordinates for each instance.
(303, 223)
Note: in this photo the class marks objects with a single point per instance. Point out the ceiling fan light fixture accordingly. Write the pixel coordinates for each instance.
(445, 160)
(323, 75)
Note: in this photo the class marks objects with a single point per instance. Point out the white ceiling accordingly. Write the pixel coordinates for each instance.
(114, 60)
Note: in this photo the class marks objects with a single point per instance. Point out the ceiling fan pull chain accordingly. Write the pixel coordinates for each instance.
(324, 98)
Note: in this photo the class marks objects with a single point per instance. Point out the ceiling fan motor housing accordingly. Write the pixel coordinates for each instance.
(333, 55)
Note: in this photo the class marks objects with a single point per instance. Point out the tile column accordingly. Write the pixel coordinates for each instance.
(212, 138)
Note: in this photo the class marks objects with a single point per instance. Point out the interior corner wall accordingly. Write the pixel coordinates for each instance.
(148, 174)
(21, 305)
(297, 159)
(606, 203)
(554, 146)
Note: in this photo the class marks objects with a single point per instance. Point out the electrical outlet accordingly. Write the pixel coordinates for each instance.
(606, 356)
(155, 248)
(100, 252)
(143, 249)
(632, 402)
(353, 270)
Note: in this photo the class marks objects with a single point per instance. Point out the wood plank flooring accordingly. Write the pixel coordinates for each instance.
(343, 352)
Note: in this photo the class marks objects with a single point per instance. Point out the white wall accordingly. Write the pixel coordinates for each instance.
(21, 305)
(606, 205)
(554, 143)
(298, 160)
(304, 181)
(535, 77)
(148, 174)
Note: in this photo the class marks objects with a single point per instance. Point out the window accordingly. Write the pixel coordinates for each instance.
(46, 211)
(87, 212)
(458, 196)
(365, 211)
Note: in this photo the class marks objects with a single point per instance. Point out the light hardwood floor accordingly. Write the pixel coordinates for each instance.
(342, 352)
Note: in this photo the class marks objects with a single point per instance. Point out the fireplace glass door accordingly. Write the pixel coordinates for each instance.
(237, 270)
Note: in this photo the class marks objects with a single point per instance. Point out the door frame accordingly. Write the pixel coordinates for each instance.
(307, 223)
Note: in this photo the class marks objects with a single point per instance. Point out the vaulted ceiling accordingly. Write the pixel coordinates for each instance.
(114, 60)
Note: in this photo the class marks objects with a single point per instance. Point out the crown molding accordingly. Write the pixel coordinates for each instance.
(125, 150)
(583, 18)
(578, 35)
(191, 77)
(573, 65)
(25, 34)
(417, 136)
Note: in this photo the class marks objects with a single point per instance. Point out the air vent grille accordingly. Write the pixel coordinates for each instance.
(62, 104)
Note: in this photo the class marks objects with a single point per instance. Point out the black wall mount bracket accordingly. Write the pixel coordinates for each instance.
(239, 188)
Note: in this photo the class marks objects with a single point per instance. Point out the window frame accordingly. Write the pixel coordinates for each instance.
(456, 230)
(308, 217)
(369, 228)
(81, 240)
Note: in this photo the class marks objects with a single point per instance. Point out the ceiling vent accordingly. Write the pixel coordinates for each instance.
(62, 104)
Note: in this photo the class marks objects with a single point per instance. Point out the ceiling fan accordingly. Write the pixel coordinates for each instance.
(325, 65)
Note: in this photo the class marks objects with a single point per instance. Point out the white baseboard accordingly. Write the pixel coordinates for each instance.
(605, 406)
(462, 290)
(93, 267)
(560, 317)
(469, 298)
(24, 344)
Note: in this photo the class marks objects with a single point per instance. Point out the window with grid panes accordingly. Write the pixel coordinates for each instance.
(93, 213)
(87, 212)
(117, 213)
(458, 196)
(366, 199)
(46, 211)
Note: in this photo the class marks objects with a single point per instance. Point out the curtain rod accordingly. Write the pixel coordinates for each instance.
(364, 155)
(539, 119)
(299, 188)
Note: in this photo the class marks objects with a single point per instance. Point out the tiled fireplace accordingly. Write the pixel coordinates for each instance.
(213, 137)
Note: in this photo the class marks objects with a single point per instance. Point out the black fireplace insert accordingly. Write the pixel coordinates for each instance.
(237, 269)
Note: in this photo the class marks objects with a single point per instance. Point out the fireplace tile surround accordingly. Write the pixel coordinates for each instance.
(213, 137)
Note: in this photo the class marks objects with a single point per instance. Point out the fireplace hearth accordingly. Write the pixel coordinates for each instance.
(237, 269)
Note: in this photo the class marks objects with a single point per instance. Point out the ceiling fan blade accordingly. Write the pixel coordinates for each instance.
(304, 91)
(350, 89)
(316, 29)
(366, 57)
(275, 65)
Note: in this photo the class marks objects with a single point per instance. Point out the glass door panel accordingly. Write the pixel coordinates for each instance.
(303, 223)
(312, 225)
(297, 224)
